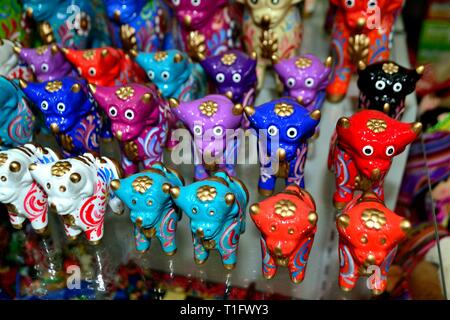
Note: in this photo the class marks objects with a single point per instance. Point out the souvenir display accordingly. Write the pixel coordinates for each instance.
(23, 197)
(211, 22)
(11, 27)
(138, 121)
(287, 222)
(362, 153)
(361, 32)
(69, 113)
(17, 122)
(48, 63)
(79, 190)
(369, 234)
(208, 120)
(139, 25)
(152, 210)
(216, 209)
(69, 23)
(283, 127)
(10, 65)
(278, 22)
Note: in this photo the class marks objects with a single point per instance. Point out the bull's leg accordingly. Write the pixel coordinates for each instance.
(200, 253)
(72, 232)
(129, 167)
(348, 269)
(141, 242)
(298, 261)
(345, 174)
(269, 267)
(16, 220)
(166, 233)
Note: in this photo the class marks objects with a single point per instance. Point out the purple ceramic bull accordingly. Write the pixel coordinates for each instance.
(138, 120)
(304, 78)
(48, 63)
(208, 120)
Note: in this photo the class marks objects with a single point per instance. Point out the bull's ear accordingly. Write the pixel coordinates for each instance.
(416, 127)
(393, 5)
(343, 123)
(335, 2)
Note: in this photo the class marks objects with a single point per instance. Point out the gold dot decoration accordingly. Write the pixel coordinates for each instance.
(373, 219)
(228, 59)
(41, 50)
(206, 193)
(377, 125)
(125, 93)
(3, 158)
(283, 109)
(142, 184)
(53, 86)
(89, 54)
(285, 208)
(208, 108)
(160, 56)
(303, 63)
(60, 168)
(390, 68)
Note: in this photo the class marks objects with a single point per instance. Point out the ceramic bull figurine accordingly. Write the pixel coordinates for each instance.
(361, 32)
(69, 113)
(79, 190)
(152, 210)
(288, 222)
(10, 65)
(384, 86)
(138, 121)
(369, 234)
(69, 23)
(48, 63)
(216, 210)
(105, 66)
(206, 21)
(283, 127)
(208, 119)
(23, 197)
(362, 153)
(17, 122)
(139, 25)
(279, 20)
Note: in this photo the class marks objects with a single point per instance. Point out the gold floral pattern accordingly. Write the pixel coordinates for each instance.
(131, 150)
(41, 50)
(208, 108)
(60, 168)
(142, 184)
(3, 158)
(373, 219)
(161, 56)
(125, 93)
(285, 208)
(89, 54)
(390, 68)
(283, 109)
(377, 125)
(228, 59)
(206, 193)
(53, 86)
(66, 142)
(303, 63)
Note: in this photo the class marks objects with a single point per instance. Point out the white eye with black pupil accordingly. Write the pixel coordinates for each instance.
(176, 2)
(272, 130)
(92, 71)
(61, 107)
(113, 111)
(291, 133)
(349, 3)
(44, 67)
(372, 4)
(290, 82)
(129, 114)
(236, 77)
(197, 130)
(218, 131)
(165, 75)
(367, 150)
(220, 77)
(151, 75)
(309, 82)
(380, 84)
(44, 105)
(196, 3)
(397, 87)
(390, 151)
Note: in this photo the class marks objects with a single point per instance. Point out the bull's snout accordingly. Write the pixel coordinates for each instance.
(54, 128)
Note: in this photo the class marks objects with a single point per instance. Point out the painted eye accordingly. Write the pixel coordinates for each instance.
(61, 107)
(390, 151)
(349, 3)
(291, 132)
(194, 210)
(176, 2)
(290, 82)
(272, 130)
(129, 114)
(44, 67)
(48, 185)
(196, 3)
(309, 82)
(218, 131)
(113, 111)
(44, 105)
(149, 202)
(4, 179)
(380, 84)
(151, 74)
(198, 130)
(220, 77)
(367, 150)
(397, 87)
(253, 1)
(372, 4)
(273, 227)
(165, 75)
(32, 68)
(133, 201)
(275, 2)
(92, 72)
(211, 212)
(236, 77)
